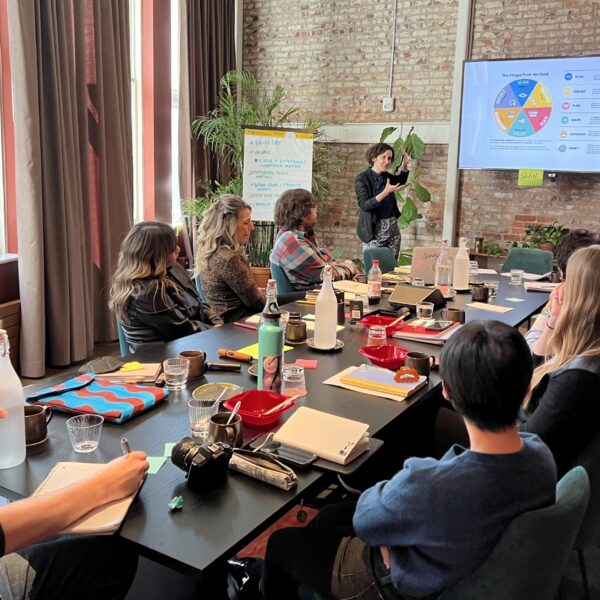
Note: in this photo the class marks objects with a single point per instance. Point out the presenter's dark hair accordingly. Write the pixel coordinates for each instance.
(374, 151)
(486, 368)
(578, 238)
(291, 207)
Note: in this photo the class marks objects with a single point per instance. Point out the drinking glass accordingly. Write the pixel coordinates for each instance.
(84, 432)
(516, 277)
(425, 310)
(377, 336)
(293, 382)
(418, 282)
(176, 372)
(283, 320)
(200, 410)
(492, 285)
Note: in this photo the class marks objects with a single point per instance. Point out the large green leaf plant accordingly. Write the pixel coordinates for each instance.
(413, 190)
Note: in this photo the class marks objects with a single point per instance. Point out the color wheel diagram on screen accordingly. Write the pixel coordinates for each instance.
(531, 113)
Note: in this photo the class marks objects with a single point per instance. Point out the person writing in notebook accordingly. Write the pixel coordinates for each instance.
(435, 521)
(87, 567)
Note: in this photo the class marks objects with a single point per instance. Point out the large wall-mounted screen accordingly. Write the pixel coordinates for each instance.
(534, 113)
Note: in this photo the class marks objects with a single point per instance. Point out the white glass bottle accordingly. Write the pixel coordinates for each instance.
(374, 282)
(460, 273)
(443, 269)
(12, 401)
(326, 313)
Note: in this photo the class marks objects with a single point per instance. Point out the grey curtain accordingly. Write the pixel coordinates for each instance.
(74, 170)
(211, 54)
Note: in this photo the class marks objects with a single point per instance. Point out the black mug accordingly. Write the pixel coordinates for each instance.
(420, 362)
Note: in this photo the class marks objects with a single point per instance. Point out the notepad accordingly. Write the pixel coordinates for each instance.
(145, 373)
(369, 377)
(100, 521)
(328, 436)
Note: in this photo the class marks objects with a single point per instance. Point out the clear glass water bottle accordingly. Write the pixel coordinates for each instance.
(460, 273)
(374, 283)
(326, 313)
(12, 402)
(443, 269)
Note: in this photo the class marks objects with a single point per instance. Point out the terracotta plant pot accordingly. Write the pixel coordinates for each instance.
(547, 246)
(261, 276)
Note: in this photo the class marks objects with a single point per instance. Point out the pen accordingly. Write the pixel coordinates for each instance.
(245, 325)
(125, 446)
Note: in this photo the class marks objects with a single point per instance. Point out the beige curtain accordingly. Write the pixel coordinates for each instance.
(74, 184)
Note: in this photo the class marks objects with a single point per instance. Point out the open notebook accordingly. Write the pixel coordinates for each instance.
(104, 520)
(328, 436)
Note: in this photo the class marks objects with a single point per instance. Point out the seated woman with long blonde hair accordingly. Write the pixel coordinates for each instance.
(222, 264)
(151, 293)
(564, 405)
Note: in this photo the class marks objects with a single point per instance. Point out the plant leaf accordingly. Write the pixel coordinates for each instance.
(386, 133)
(409, 214)
(422, 193)
(415, 146)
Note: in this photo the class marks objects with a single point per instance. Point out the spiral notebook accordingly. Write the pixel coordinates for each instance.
(100, 521)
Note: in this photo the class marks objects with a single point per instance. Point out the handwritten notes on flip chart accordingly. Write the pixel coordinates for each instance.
(275, 160)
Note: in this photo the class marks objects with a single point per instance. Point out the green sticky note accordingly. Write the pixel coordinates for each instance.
(253, 350)
(155, 462)
(515, 299)
(309, 317)
(530, 177)
(168, 449)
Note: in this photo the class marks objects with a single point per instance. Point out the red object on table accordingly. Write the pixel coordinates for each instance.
(387, 356)
(383, 321)
(255, 403)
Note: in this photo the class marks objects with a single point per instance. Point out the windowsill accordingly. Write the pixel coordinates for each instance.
(8, 258)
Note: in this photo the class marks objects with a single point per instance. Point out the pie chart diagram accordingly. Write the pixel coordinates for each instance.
(522, 108)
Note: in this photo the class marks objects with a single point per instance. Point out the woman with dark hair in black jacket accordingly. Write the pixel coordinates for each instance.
(379, 212)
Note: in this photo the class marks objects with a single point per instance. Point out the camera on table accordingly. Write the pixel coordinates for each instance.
(206, 466)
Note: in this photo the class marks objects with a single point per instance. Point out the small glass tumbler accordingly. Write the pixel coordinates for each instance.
(283, 320)
(293, 382)
(516, 277)
(418, 282)
(425, 310)
(377, 336)
(200, 410)
(176, 372)
(84, 432)
(492, 286)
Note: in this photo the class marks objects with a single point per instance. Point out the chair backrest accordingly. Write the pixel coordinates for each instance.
(589, 532)
(284, 286)
(532, 553)
(123, 346)
(530, 260)
(387, 260)
(198, 285)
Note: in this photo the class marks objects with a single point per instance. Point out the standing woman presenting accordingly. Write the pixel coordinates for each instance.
(375, 187)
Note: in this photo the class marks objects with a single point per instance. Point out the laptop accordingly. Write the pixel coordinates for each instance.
(423, 262)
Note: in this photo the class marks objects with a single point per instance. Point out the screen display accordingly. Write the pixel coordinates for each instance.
(536, 113)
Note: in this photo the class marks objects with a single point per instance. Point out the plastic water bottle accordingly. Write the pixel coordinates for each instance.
(374, 283)
(270, 351)
(12, 401)
(460, 275)
(443, 269)
(326, 313)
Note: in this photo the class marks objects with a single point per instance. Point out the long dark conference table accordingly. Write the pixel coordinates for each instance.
(214, 525)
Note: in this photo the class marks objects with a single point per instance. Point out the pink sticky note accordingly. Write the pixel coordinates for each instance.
(307, 363)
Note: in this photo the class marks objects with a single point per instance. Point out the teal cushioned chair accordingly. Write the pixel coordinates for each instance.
(387, 260)
(123, 346)
(528, 561)
(589, 532)
(198, 284)
(284, 285)
(530, 260)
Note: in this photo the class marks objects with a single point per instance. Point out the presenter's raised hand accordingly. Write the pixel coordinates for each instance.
(389, 188)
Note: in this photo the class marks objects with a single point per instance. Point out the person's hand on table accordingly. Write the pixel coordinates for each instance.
(121, 477)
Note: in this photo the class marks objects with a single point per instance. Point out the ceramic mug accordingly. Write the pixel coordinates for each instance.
(296, 330)
(480, 294)
(219, 431)
(456, 315)
(36, 423)
(419, 361)
(197, 360)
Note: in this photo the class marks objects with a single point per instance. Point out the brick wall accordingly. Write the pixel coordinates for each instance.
(333, 59)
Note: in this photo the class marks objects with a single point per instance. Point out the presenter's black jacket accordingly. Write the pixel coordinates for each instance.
(368, 216)
(151, 318)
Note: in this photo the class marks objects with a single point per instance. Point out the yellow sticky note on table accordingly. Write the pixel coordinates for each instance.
(530, 177)
(253, 350)
(134, 365)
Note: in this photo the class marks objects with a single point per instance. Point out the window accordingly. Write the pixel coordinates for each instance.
(175, 33)
(2, 178)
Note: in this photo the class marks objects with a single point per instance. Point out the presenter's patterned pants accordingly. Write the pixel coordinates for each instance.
(387, 234)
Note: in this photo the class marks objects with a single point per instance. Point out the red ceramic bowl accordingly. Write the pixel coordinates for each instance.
(255, 403)
(382, 320)
(389, 357)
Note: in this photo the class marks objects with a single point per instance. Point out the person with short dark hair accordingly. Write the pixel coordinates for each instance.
(435, 521)
(296, 249)
(375, 187)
